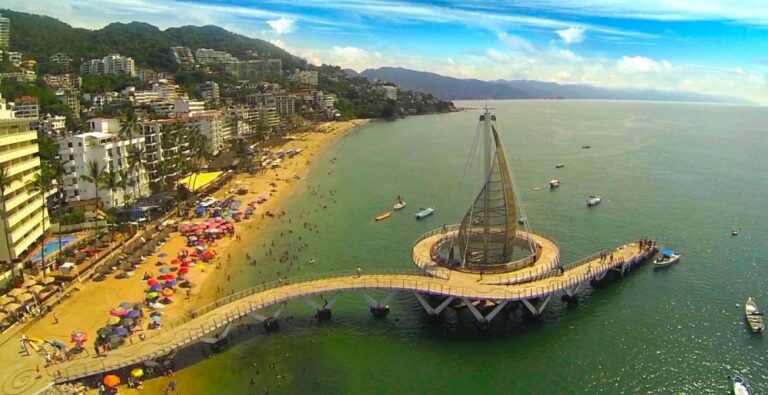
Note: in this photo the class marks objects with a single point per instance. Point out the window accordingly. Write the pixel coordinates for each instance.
(69, 145)
(79, 143)
(71, 157)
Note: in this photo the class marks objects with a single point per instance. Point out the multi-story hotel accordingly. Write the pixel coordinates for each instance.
(5, 32)
(22, 223)
(110, 64)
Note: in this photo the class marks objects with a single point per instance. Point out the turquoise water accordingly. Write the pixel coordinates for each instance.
(52, 246)
(683, 174)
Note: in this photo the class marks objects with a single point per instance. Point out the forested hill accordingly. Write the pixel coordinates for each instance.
(40, 36)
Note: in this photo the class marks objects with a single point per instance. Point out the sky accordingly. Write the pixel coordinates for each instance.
(708, 46)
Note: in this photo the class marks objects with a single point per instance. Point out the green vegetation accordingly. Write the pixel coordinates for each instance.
(107, 83)
(47, 101)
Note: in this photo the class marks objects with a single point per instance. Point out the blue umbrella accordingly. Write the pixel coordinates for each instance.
(133, 314)
(126, 305)
(170, 283)
(165, 269)
(162, 255)
(155, 318)
(120, 332)
(155, 288)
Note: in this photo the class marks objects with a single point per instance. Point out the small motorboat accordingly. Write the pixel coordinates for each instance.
(400, 203)
(559, 166)
(667, 258)
(383, 215)
(522, 220)
(735, 231)
(554, 184)
(586, 146)
(740, 386)
(425, 212)
(593, 200)
(754, 316)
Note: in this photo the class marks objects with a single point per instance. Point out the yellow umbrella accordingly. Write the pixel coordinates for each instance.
(113, 321)
(138, 372)
(200, 266)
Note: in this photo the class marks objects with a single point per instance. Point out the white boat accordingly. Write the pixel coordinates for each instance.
(667, 258)
(754, 316)
(554, 184)
(426, 212)
(400, 203)
(522, 220)
(740, 386)
(593, 200)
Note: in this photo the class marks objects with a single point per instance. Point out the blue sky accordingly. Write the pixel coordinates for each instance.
(708, 46)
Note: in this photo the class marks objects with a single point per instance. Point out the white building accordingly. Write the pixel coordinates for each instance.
(53, 125)
(61, 58)
(166, 91)
(210, 91)
(390, 92)
(207, 56)
(166, 148)
(26, 107)
(23, 220)
(14, 58)
(308, 78)
(183, 56)
(110, 64)
(104, 125)
(5, 32)
(188, 107)
(110, 154)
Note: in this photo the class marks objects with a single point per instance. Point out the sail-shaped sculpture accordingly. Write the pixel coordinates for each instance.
(487, 232)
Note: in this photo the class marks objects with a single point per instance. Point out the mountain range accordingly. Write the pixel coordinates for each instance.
(450, 88)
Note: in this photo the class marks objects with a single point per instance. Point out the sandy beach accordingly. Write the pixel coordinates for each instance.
(86, 310)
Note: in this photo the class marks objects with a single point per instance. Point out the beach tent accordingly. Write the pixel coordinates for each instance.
(111, 380)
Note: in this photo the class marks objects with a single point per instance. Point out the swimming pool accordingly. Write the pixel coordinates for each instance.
(53, 246)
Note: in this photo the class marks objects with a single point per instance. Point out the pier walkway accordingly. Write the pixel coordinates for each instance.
(209, 319)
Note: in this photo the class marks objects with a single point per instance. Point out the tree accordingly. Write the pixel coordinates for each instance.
(110, 181)
(5, 183)
(41, 182)
(135, 164)
(57, 168)
(94, 177)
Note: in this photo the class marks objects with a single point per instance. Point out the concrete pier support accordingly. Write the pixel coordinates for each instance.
(433, 313)
(379, 309)
(570, 294)
(270, 323)
(322, 311)
(536, 309)
(484, 320)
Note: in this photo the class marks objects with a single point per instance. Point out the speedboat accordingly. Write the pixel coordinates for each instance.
(593, 200)
(735, 232)
(586, 146)
(522, 220)
(554, 184)
(400, 203)
(667, 258)
(754, 316)
(383, 215)
(425, 212)
(740, 386)
(559, 166)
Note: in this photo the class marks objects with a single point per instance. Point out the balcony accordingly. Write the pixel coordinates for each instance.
(15, 201)
(8, 156)
(16, 185)
(14, 138)
(21, 244)
(23, 166)
(20, 215)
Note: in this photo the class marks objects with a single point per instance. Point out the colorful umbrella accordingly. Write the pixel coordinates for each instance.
(138, 372)
(170, 283)
(133, 314)
(127, 322)
(165, 269)
(200, 266)
(155, 287)
(126, 305)
(167, 292)
(152, 281)
(162, 255)
(78, 337)
(152, 295)
(175, 261)
(104, 332)
(111, 380)
(118, 312)
(155, 318)
(120, 332)
(113, 321)
(168, 276)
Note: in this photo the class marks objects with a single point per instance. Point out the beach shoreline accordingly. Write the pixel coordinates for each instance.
(86, 309)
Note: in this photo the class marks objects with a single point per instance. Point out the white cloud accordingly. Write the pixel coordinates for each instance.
(572, 35)
(641, 64)
(515, 43)
(497, 56)
(282, 25)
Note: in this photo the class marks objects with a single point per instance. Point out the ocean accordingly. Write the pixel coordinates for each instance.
(681, 174)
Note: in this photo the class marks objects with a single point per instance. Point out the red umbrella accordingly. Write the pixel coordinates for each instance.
(118, 312)
(175, 261)
(151, 282)
(183, 270)
(168, 276)
(78, 337)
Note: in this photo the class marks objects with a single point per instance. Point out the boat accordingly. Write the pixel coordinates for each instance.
(383, 215)
(593, 200)
(522, 220)
(735, 232)
(754, 316)
(559, 166)
(586, 146)
(740, 386)
(554, 184)
(400, 203)
(425, 212)
(667, 258)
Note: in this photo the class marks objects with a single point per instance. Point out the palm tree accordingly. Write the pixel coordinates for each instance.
(94, 177)
(123, 181)
(201, 151)
(58, 173)
(130, 125)
(5, 183)
(41, 182)
(135, 163)
(110, 181)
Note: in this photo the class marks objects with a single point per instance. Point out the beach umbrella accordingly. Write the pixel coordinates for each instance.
(24, 297)
(126, 305)
(138, 372)
(152, 295)
(118, 312)
(162, 255)
(111, 381)
(30, 282)
(192, 238)
(175, 261)
(78, 337)
(47, 280)
(157, 305)
(133, 314)
(165, 269)
(155, 287)
(127, 322)
(115, 341)
(4, 300)
(170, 283)
(155, 314)
(200, 266)
(120, 332)
(104, 331)
(200, 248)
(16, 292)
(152, 282)
(114, 320)
(168, 276)
(11, 307)
(167, 292)
(184, 270)
(155, 318)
